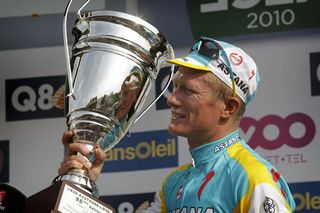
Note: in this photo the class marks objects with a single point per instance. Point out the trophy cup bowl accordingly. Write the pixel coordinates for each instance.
(115, 60)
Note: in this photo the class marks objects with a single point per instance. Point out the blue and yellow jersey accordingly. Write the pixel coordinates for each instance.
(226, 176)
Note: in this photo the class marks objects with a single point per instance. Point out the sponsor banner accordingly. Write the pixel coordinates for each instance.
(283, 124)
(306, 196)
(129, 203)
(143, 150)
(34, 98)
(296, 130)
(238, 17)
(4, 161)
(315, 73)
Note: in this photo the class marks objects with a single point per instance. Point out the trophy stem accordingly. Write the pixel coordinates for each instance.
(80, 178)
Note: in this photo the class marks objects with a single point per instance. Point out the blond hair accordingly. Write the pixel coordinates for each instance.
(223, 92)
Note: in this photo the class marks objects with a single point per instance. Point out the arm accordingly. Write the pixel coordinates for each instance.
(260, 191)
(157, 206)
(266, 198)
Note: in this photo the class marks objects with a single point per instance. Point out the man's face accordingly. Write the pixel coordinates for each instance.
(194, 106)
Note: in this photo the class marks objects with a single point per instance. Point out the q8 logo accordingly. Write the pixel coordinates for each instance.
(32, 98)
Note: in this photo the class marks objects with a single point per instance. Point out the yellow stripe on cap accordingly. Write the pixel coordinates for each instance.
(180, 62)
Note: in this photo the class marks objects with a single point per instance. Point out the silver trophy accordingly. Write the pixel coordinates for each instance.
(115, 60)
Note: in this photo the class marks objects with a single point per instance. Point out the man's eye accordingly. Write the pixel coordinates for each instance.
(187, 90)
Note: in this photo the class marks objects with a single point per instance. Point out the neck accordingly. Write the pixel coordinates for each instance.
(216, 134)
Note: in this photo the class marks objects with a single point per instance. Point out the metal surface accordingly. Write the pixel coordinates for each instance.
(115, 59)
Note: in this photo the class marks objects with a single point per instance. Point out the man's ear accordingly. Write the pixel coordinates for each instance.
(232, 105)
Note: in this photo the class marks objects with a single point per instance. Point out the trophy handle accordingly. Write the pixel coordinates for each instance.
(66, 46)
(161, 93)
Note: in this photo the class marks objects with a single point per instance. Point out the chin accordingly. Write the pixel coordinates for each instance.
(175, 131)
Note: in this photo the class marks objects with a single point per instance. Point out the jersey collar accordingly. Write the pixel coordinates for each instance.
(212, 150)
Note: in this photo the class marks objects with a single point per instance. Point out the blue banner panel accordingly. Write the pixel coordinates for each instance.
(34, 98)
(143, 150)
(4, 161)
(128, 203)
(306, 196)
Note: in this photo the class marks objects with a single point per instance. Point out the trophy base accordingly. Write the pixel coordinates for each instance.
(63, 197)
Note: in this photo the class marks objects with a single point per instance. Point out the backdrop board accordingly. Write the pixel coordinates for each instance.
(281, 124)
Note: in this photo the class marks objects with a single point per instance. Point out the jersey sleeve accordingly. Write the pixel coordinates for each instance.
(266, 198)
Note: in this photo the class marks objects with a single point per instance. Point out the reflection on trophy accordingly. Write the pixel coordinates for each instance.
(115, 59)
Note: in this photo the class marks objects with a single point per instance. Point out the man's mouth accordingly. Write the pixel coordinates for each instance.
(176, 116)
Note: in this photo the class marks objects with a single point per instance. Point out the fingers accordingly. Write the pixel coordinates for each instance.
(78, 147)
(100, 156)
(97, 165)
(67, 137)
(75, 152)
(74, 162)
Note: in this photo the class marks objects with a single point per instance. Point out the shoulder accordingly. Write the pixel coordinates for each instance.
(247, 161)
(263, 185)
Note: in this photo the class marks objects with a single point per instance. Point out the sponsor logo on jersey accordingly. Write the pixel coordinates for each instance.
(179, 193)
(269, 206)
(192, 209)
(208, 177)
(225, 144)
(275, 176)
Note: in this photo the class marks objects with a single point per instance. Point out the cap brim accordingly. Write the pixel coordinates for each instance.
(185, 63)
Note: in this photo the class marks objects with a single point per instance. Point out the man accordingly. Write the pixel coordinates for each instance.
(212, 87)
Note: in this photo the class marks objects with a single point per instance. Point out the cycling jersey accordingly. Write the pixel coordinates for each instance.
(226, 176)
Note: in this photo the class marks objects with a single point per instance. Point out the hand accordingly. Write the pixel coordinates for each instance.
(74, 161)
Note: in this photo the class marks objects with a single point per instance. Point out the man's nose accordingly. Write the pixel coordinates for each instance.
(173, 99)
